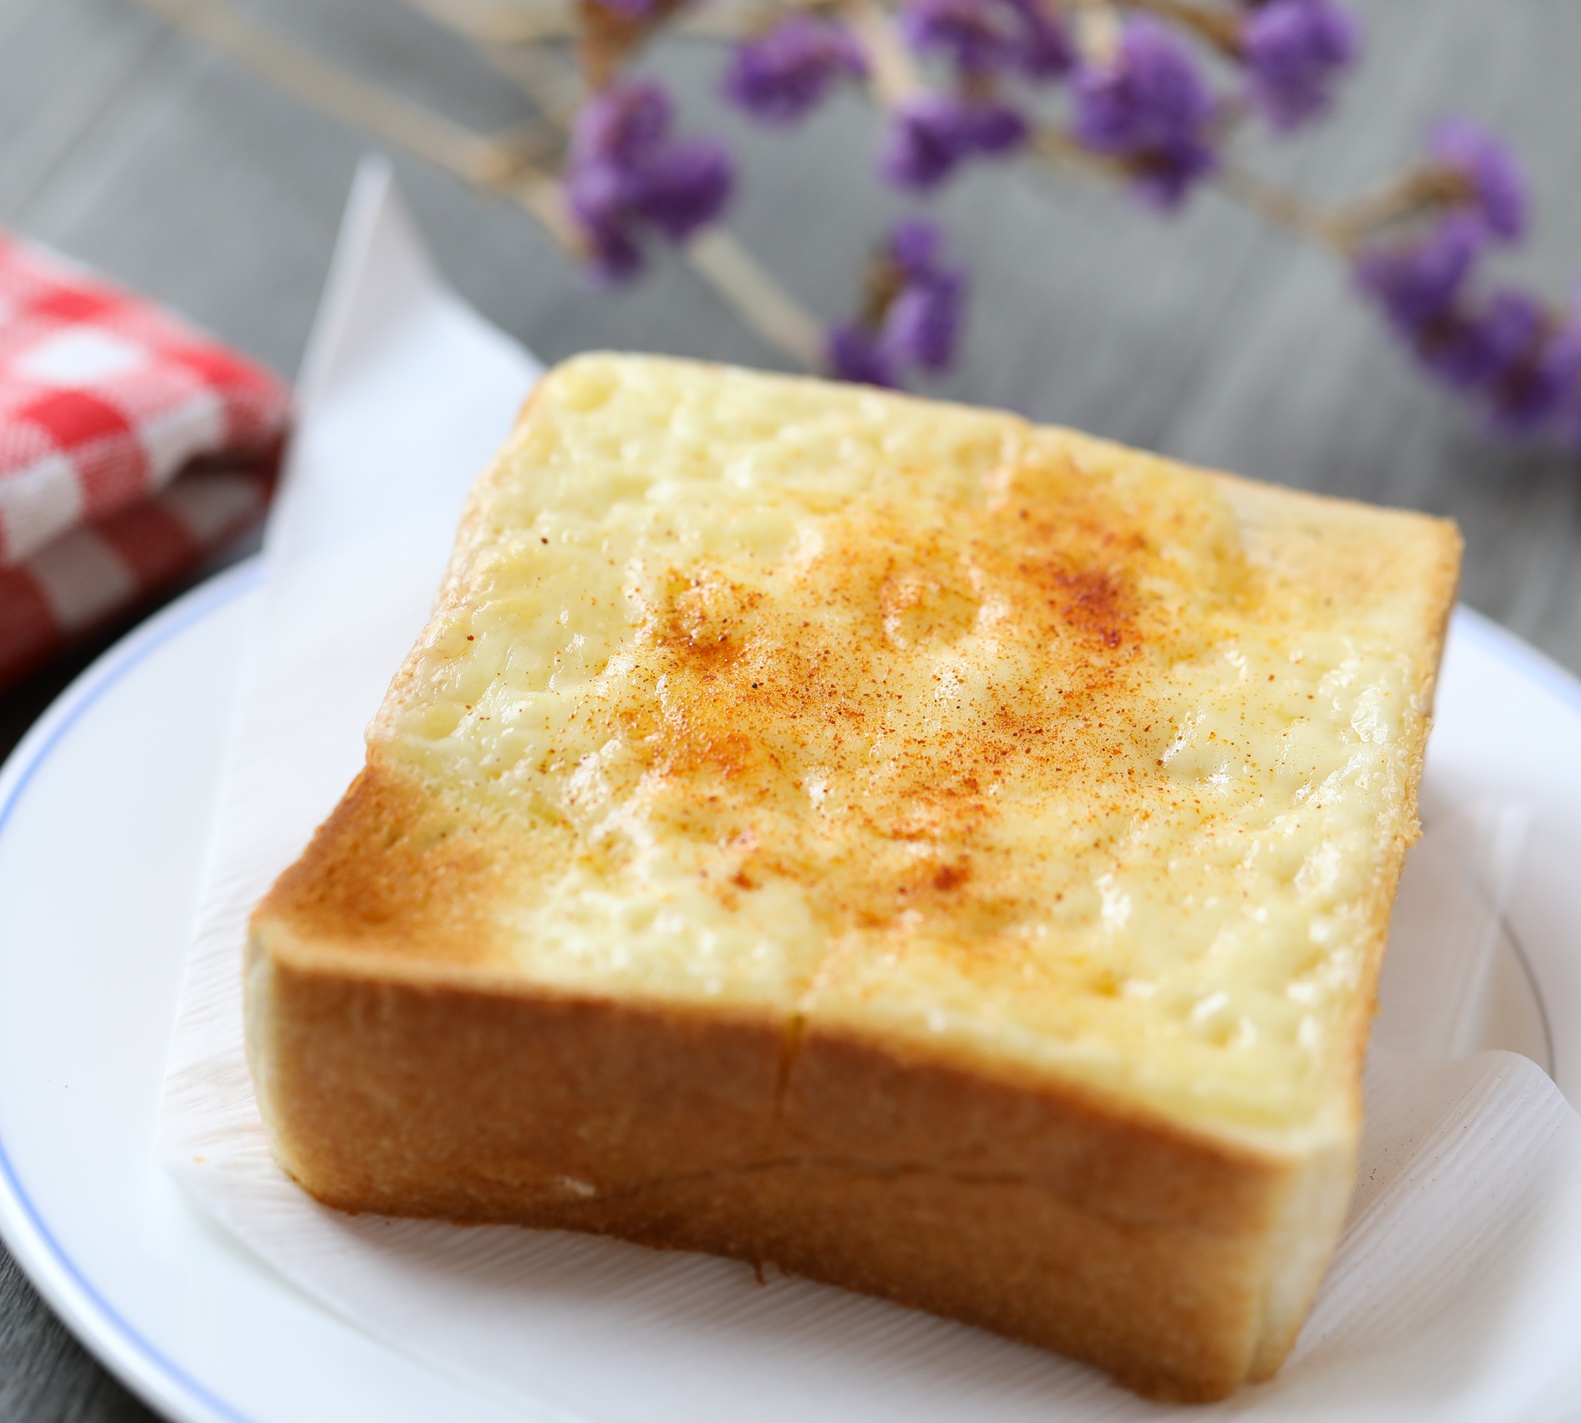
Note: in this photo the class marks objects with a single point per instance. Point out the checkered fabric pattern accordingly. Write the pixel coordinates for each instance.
(131, 447)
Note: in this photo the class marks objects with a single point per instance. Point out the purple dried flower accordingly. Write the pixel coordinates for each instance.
(613, 255)
(964, 31)
(914, 248)
(1509, 352)
(1150, 107)
(1496, 187)
(622, 125)
(600, 197)
(930, 135)
(981, 37)
(781, 76)
(1468, 351)
(1419, 281)
(915, 305)
(1294, 51)
(683, 187)
(857, 354)
(921, 147)
(991, 128)
(924, 322)
(1541, 381)
(625, 174)
(1046, 50)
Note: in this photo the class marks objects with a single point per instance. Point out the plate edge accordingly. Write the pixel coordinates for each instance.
(112, 1340)
(92, 1320)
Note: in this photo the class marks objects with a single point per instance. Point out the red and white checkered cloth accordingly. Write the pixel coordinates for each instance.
(131, 447)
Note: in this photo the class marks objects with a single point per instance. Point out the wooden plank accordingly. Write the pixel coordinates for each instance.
(61, 66)
(45, 1375)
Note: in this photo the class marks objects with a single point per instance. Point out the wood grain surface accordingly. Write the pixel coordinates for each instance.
(1209, 337)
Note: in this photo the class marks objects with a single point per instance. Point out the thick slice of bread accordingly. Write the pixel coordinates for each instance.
(944, 856)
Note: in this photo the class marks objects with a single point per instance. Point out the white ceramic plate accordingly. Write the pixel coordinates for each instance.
(104, 814)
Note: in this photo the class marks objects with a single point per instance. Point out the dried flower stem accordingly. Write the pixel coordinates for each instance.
(1423, 189)
(528, 22)
(1282, 208)
(716, 254)
(1057, 150)
(1098, 31)
(518, 37)
(1219, 28)
(607, 39)
(737, 275)
(506, 165)
(893, 77)
(479, 158)
(504, 22)
(554, 87)
(1101, 20)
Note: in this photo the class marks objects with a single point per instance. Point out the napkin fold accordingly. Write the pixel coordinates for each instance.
(1454, 1289)
(131, 447)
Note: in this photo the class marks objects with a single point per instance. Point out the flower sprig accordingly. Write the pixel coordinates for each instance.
(911, 315)
(1515, 357)
(627, 176)
(1151, 94)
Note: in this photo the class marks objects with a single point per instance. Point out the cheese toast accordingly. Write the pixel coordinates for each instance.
(941, 855)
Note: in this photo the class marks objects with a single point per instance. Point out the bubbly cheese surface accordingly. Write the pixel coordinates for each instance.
(872, 712)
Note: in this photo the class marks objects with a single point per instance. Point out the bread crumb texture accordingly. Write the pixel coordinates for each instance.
(873, 713)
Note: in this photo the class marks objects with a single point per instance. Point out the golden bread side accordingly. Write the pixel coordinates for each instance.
(944, 856)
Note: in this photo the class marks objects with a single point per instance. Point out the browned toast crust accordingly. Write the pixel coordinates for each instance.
(1019, 1207)
(404, 1067)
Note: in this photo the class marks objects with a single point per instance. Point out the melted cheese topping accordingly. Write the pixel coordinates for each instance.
(921, 720)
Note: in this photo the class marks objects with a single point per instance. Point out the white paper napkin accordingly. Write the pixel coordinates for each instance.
(1453, 1291)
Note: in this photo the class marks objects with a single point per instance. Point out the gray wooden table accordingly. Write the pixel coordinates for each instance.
(1209, 337)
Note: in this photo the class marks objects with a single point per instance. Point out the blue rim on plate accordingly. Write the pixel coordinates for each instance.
(101, 1329)
(105, 1332)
